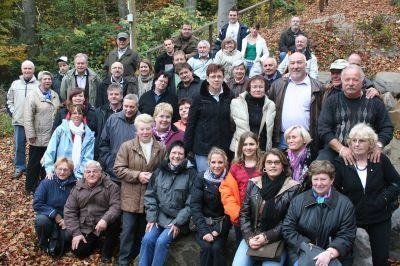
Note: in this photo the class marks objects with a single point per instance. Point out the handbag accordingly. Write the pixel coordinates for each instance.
(308, 252)
(271, 251)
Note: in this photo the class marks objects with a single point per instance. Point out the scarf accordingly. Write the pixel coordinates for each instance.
(144, 84)
(269, 190)
(47, 95)
(162, 137)
(296, 162)
(213, 178)
(78, 131)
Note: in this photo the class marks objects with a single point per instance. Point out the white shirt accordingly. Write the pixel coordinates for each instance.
(121, 52)
(363, 177)
(81, 80)
(232, 31)
(146, 148)
(296, 105)
(216, 96)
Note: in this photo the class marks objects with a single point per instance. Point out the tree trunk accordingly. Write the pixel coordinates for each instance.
(122, 9)
(191, 5)
(223, 11)
(29, 34)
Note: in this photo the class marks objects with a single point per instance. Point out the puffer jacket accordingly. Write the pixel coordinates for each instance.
(249, 213)
(130, 161)
(240, 114)
(86, 206)
(60, 145)
(167, 197)
(329, 224)
(16, 97)
(39, 116)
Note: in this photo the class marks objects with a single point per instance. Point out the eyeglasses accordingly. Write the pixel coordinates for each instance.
(269, 163)
(95, 171)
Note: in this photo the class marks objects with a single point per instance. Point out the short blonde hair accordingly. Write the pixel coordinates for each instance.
(215, 150)
(301, 131)
(143, 118)
(66, 160)
(363, 131)
(163, 107)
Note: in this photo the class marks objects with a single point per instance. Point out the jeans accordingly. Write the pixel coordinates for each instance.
(19, 148)
(35, 171)
(201, 162)
(44, 228)
(133, 227)
(241, 258)
(155, 245)
(282, 56)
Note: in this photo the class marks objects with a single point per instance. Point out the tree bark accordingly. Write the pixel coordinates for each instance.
(122, 9)
(223, 11)
(29, 34)
(191, 5)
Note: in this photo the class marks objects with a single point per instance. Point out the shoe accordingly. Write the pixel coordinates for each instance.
(104, 261)
(18, 174)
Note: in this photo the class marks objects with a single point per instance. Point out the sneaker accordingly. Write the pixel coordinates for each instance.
(18, 174)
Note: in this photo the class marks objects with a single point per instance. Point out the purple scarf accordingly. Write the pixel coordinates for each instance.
(296, 162)
(162, 137)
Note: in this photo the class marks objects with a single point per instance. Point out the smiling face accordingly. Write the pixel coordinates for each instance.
(217, 164)
(336, 78)
(80, 65)
(129, 107)
(76, 117)
(176, 155)
(294, 140)
(92, 175)
(203, 50)
(257, 88)
(297, 67)
(163, 121)
(352, 83)
(122, 43)
(249, 148)
(78, 98)
(321, 183)
(185, 75)
(229, 46)
(62, 171)
(233, 17)
(144, 132)
(239, 72)
(27, 69)
(45, 82)
(169, 46)
(144, 69)
(269, 66)
(273, 166)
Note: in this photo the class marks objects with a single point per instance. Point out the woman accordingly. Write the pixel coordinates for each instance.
(253, 111)
(238, 82)
(321, 216)
(299, 154)
(145, 77)
(77, 96)
(372, 187)
(72, 139)
(253, 46)
(48, 203)
(233, 188)
(167, 201)
(264, 207)
(164, 131)
(208, 212)
(136, 160)
(184, 107)
(209, 122)
(227, 55)
(40, 109)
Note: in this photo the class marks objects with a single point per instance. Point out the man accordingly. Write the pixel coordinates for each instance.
(298, 101)
(90, 213)
(200, 62)
(190, 83)
(164, 60)
(117, 129)
(186, 42)
(63, 68)
(81, 77)
(301, 43)
(179, 57)
(233, 29)
(128, 84)
(122, 53)
(356, 59)
(16, 97)
(114, 105)
(268, 68)
(287, 39)
(345, 109)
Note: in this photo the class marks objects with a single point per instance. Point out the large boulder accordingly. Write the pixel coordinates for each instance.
(362, 249)
(388, 82)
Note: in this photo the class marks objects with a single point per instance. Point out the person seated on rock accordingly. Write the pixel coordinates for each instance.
(48, 203)
(356, 59)
(200, 62)
(184, 107)
(208, 212)
(268, 68)
(90, 213)
(287, 38)
(227, 56)
(167, 200)
(238, 81)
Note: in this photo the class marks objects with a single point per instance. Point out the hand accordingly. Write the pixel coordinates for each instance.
(49, 175)
(257, 241)
(62, 224)
(215, 234)
(149, 226)
(58, 218)
(375, 155)
(323, 258)
(347, 156)
(144, 177)
(76, 240)
(371, 93)
(32, 140)
(101, 226)
(174, 230)
(208, 237)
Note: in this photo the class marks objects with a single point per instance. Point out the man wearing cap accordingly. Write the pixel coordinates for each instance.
(63, 68)
(164, 61)
(287, 39)
(186, 41)
(122, 53)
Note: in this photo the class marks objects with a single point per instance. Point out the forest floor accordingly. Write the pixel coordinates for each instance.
(370, 27)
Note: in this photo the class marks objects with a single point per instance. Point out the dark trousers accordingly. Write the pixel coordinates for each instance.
(34, 172)
(379, 235)
(212, 254)
(44, 227)
(107, 241)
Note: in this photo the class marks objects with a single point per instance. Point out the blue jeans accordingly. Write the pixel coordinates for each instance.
(19, 148)
(133, 226)
(201, 162)
(241, 258)
(155, 245)
(282, 56)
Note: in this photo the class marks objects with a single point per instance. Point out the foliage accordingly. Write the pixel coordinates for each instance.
(6, 128)
(379, 27)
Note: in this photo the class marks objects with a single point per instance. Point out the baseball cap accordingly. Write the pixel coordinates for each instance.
(62, 59)
(339, 64)
(123, 35)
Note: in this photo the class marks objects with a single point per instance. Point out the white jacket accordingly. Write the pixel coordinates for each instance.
(261, 47)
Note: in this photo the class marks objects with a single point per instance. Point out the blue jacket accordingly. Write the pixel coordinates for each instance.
(60, 145)
(51, 195)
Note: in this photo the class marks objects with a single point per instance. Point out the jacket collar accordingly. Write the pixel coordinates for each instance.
(204, 89)
(289, 183)
(331, 202)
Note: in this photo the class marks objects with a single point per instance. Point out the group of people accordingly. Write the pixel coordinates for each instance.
(205, 142)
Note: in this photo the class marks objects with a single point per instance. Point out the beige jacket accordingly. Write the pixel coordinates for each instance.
(130, 161)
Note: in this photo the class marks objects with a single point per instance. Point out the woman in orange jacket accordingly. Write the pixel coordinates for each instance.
(233, 188)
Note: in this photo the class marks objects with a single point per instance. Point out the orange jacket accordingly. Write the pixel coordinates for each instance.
(230, 198)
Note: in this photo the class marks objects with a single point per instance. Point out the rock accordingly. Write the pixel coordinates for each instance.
(395, 236)
(362, 249)
(388, 82)
(324, 76)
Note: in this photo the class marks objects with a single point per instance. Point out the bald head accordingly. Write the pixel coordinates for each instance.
(269, 66)
(297, 67)
(355, 59)
(117, 69)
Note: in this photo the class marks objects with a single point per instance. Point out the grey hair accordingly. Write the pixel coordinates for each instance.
(93, 163)
(204, 42)
(131, 96)
(44, 73)
(354, 67)
(81, 55)
(28, 62)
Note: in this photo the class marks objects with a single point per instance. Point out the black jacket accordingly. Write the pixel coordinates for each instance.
(162, 60)
(378, 200)
(191, 91)
(287, 40)
(130, 85)
(249, 213)
(329, 224)
(147, 103)
(90, 114)
(209, 122)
